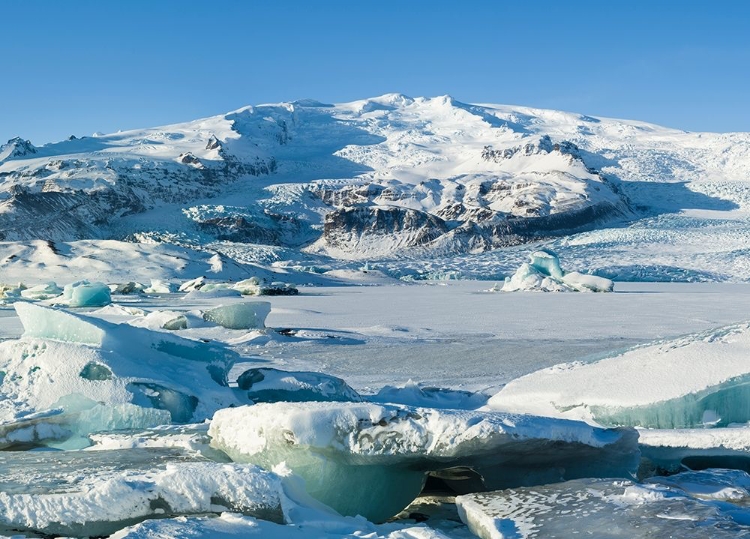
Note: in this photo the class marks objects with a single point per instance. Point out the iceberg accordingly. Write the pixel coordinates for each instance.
(72, 374)
(273, 385)
(601, 508)
(85, 294)
(244, 315)
(543, 273)
(96, 493)
(373, 460)
(700, 380)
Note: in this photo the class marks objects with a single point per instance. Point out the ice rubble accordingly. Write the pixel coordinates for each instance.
(699, 380)
(70, 367)
(97, 493)
(543, 273)
(373, 459)
(602, 508)
(273, 385)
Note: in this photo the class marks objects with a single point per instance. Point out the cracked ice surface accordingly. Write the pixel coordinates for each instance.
(602, 508)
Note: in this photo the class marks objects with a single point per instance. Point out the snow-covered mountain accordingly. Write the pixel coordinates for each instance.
(375, 178)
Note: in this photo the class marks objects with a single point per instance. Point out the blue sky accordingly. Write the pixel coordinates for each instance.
(82, 66)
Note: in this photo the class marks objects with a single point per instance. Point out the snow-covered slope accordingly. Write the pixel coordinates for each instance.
(375, 178)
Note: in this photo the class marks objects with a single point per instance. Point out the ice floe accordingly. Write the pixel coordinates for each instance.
(373, 459)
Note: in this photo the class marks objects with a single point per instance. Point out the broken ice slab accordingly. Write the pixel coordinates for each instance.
(274, 385)
(191, 438)
(65, 358)
(373, 459)
(669, 451)
(699, 380)
(243, 315)
(159, 286)
(56, 324)
(99, 492)
(601, 508)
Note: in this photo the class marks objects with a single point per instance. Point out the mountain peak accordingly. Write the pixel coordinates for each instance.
(16, 147)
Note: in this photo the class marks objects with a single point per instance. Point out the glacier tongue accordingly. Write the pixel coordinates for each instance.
(373, 459)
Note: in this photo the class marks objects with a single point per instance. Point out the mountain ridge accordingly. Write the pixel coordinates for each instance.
(386, 176)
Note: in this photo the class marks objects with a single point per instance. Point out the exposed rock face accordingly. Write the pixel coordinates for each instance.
(364, 228)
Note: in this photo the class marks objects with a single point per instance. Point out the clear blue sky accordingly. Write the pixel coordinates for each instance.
(76, 67)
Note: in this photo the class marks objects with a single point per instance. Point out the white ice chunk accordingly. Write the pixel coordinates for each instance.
(273, 385)
(244, 315)
(677, 383)
(583, 282)
(160, 286)
(42, 291)
(97, 493)
(248, 287)
(601, 508)
(373, 459)
(193, 284)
